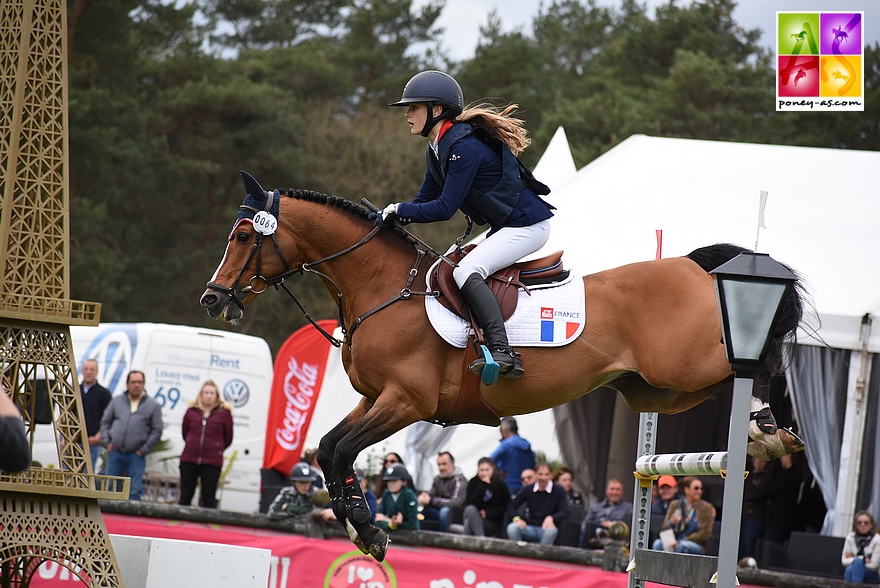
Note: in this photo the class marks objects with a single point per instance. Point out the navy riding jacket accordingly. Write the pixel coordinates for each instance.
(470, 175)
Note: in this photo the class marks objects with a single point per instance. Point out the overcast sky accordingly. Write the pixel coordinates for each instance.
(462, 18)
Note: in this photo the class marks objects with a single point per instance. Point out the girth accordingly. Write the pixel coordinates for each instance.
(505, 283)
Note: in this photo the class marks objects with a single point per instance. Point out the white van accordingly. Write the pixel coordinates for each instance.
(176, 360)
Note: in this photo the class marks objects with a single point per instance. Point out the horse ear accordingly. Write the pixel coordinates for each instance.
(252, 186)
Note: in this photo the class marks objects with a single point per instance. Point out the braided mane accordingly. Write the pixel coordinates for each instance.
(339, 202)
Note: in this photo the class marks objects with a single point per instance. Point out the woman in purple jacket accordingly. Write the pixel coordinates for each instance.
(207, 432)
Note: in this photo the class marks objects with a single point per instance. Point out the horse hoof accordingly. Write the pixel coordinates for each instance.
(790, 441)
(770, 447)
(377, 545)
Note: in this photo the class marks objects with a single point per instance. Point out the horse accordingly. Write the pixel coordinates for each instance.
(652, 332)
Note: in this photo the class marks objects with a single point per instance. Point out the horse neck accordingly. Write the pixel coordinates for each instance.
(370, 271)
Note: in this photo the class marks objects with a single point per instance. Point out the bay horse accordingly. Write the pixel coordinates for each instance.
(652, 333)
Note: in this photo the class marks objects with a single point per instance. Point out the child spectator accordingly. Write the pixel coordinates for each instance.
(399, 508)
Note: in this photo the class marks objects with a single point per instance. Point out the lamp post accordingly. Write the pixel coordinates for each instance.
(751, 290)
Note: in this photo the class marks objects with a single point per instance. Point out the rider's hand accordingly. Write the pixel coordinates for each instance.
(385, 217)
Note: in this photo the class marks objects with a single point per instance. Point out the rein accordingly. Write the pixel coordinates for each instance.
(278, 281)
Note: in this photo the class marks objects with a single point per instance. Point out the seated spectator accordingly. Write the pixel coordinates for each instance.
(667, 491)
(448, 490)
(390, 459)
(565, 478)
(690, 518)
(547, 508)
(487, 500)
(399, 508)
(603, 514)
(299, 500)
(861, 551)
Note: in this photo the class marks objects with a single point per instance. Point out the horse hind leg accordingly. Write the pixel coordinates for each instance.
(768, 441)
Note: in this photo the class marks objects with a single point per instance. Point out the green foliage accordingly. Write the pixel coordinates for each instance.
(169, 100)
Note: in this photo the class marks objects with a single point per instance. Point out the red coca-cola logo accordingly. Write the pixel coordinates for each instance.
(299, 390)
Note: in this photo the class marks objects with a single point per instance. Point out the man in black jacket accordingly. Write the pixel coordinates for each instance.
(95, 399)
(547, 507)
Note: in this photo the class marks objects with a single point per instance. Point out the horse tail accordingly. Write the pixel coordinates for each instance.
(713, 256)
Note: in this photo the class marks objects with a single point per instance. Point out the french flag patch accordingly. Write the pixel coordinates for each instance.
(559, 326)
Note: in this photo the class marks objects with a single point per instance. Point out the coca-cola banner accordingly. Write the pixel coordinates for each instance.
(299, 371)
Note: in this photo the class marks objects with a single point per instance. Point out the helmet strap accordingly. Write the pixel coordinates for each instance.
(430, 121)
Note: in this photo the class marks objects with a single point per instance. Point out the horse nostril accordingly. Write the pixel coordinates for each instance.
(209, 300)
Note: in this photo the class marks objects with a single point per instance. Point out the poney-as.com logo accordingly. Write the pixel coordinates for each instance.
(820, 61)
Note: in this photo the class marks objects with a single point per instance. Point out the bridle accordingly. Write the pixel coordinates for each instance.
(278, 281)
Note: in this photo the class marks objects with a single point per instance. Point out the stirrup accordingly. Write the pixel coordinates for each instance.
(485, 366)
(489, 365)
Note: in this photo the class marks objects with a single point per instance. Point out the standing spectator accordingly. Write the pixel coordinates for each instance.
(448, 490)
(547, 508)
(782, 500)
(754, 508)
(690, 518)
(513, 455)
(95, 399)
(130, 429)
(298, 500)
(603, 514)
(667, 491)
(487, 501)
(207, 432)
(399, 508)
(15, 453)
(565, 478)
(861, 551)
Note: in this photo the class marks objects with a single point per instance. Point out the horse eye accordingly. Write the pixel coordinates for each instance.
(242, 237)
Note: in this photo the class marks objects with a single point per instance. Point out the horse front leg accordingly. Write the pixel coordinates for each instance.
(326, 456)
(389, 414)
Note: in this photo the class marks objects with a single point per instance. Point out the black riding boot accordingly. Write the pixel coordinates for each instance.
(487, 314)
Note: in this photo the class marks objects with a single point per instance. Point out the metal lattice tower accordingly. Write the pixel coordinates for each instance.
(45, 514)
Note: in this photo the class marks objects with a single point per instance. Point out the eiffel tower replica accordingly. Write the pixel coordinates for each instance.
(46, 514)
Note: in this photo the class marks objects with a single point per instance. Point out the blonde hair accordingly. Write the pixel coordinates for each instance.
(499, 122)
(220, 402)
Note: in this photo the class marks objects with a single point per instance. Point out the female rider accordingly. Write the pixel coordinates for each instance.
(472, 167)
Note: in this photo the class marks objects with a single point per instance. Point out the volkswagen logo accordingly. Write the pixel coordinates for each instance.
(236, 393)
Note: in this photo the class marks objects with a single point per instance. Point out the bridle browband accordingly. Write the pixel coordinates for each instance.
(278, 281)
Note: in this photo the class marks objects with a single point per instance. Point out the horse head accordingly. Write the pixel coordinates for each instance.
(247, 268)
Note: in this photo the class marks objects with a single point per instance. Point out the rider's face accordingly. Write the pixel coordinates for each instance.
(417, 116)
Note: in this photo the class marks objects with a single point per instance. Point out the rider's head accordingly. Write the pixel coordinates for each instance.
(433, 88)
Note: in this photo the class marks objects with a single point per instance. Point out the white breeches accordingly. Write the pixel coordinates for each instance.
(508, 245)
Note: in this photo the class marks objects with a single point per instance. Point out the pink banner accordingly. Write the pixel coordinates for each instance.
(299, 371)
(300, 562)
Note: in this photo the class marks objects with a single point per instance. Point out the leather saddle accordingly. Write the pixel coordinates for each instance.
(504, 283)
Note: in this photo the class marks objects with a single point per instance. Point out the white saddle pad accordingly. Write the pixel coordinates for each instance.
(552, 316)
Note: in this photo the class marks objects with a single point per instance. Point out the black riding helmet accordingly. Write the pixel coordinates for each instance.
(433, 87)
(301, 472)
(396, 472)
